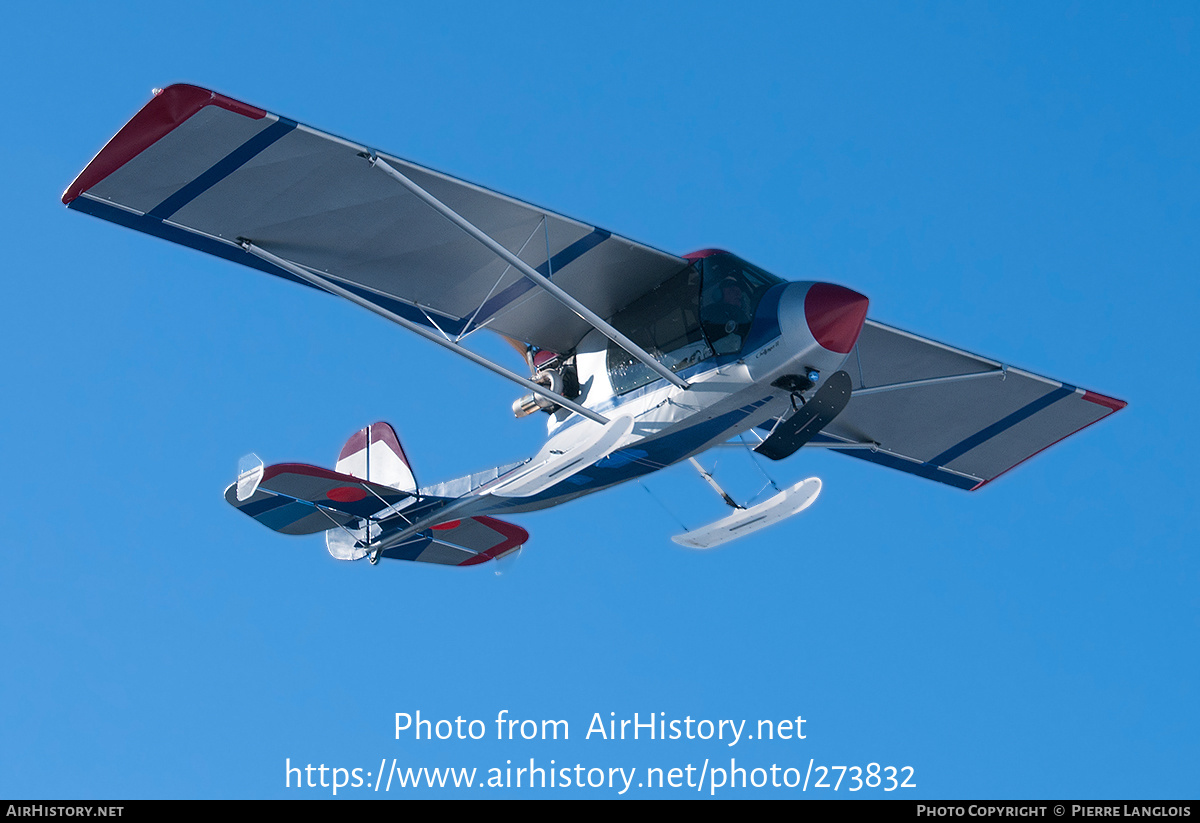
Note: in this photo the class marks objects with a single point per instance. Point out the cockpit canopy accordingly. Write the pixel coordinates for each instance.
(704, 311)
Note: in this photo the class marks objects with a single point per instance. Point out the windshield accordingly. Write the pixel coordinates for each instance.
(705, 310)
(732, 289)
(666, 323)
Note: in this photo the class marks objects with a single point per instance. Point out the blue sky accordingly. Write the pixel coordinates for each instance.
(1018, 180)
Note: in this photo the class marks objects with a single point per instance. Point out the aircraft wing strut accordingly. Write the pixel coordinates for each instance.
(567, 300)
(328, 285)
(203, 170)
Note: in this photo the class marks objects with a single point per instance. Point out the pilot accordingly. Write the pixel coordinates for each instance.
(727, 317)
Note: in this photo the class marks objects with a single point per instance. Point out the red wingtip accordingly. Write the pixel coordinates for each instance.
(1101, 400)
(1098, 399)
(166, 110)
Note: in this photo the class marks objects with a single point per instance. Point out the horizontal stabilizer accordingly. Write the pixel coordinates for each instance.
(374, 453)
(465, 542)
(534, 478)
(294, 498)
(790, 501)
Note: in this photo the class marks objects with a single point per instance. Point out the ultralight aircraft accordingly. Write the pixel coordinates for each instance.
(639, 358)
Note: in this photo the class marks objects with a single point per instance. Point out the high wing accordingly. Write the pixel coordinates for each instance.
(200, 169)
(948, 415)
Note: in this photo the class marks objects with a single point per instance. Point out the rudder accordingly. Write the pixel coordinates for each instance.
(374, 453)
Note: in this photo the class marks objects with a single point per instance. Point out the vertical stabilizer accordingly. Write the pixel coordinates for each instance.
(374, 453)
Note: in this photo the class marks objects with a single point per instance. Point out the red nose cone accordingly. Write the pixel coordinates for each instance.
(835, 316)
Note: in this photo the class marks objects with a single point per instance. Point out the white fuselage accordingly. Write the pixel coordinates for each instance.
(726, 396)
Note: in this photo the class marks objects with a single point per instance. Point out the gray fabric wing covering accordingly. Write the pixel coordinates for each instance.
(294, 498)
(220, 174)
(962, 432)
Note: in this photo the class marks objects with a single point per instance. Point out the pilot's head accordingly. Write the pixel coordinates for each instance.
(731, 291)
